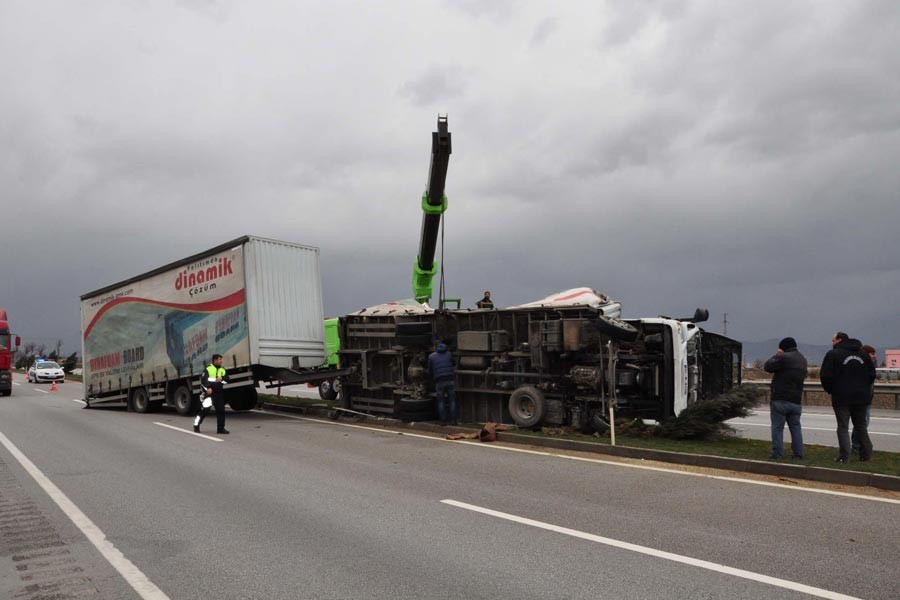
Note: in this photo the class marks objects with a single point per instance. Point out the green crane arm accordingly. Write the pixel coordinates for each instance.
(434, 203)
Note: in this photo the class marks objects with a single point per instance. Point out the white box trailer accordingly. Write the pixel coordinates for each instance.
(255, 301)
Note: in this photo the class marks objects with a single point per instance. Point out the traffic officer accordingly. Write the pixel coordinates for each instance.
(212, 380)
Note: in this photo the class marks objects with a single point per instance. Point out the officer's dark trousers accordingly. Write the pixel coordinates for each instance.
(219, 404)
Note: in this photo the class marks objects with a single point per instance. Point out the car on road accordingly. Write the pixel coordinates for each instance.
(46, 371)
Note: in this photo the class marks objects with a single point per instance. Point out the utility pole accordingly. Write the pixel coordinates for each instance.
(725, 324)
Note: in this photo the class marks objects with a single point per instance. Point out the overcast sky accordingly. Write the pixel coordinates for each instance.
(741, 156)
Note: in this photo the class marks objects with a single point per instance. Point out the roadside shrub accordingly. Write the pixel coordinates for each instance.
(706, 419)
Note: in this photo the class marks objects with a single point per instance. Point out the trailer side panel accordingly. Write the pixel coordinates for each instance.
(166, 326)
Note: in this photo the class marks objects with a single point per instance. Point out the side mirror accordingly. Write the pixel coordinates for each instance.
(700, 315)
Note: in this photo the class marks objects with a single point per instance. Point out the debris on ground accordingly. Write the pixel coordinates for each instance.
(488, 433)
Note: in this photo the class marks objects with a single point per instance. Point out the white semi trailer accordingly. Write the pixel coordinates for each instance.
(255, 301)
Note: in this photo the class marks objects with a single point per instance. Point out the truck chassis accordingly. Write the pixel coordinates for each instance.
(551, 365)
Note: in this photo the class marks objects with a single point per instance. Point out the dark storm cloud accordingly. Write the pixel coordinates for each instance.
(670, 154)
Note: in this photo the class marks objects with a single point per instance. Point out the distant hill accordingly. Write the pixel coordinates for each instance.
(764, 350)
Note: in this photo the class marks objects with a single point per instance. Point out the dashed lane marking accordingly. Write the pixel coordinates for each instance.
(685, 560)
(208, 437)
(145, 588)
(43, 391)
(796, 488)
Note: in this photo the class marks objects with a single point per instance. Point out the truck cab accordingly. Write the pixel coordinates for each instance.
(8, 344)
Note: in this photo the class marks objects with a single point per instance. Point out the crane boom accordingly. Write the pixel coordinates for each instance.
(434, 203)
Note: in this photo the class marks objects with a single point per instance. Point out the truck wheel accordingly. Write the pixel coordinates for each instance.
(140, 400)
(183, 400)
(597, 423)
(527, 406)
(344, 398)
(419, 409)
(246, 400)
(326, 389)
(617, 329)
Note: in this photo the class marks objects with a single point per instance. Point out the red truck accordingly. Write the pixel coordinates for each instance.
(6, 350)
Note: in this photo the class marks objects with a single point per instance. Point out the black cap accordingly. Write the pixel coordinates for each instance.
(787, 343)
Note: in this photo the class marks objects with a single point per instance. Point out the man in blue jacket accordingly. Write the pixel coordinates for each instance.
(440, 366)
(788, 368)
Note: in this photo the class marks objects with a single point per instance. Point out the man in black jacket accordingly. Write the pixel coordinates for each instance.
(847, 374)
(788, 368)
(485, 302)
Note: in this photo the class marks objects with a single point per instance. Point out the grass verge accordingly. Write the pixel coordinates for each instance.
(884, 463)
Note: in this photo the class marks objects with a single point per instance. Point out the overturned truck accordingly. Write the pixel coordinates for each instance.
(559, 361)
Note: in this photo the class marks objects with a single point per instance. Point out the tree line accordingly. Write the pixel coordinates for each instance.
(25, 356)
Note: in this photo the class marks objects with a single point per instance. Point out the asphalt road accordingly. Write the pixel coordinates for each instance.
(289, 507)
(818, 425)
(817, 422)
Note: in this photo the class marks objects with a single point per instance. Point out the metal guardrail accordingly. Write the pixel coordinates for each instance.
(814, 386)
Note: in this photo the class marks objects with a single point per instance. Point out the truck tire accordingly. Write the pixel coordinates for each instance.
(326, 390)
(527, 406)
(246, 399)
(140, 400)
(419, 409)
(597, 423)
(617, 329)
(345, 400)
(183, 400)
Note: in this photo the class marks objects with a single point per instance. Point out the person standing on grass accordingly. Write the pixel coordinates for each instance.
(847, 374)
(789, 369)
(854, 437)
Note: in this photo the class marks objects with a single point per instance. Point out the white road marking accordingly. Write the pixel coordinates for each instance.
(14, 383)
(805, 428)
(799, 488)
(812, 414)
(78, 400)
(43, 391)
(145, 588)
(209, 437)
(686, 560)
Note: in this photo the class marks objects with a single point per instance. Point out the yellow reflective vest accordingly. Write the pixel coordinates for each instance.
(212, 372)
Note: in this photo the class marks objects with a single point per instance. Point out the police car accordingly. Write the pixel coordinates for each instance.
(45, 370)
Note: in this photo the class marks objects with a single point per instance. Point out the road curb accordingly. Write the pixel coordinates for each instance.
(837, 476)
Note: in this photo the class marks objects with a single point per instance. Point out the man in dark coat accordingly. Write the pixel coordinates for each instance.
(788, 368)
(854, 435)
(485, 302)
(440, 366)
(847, 374)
